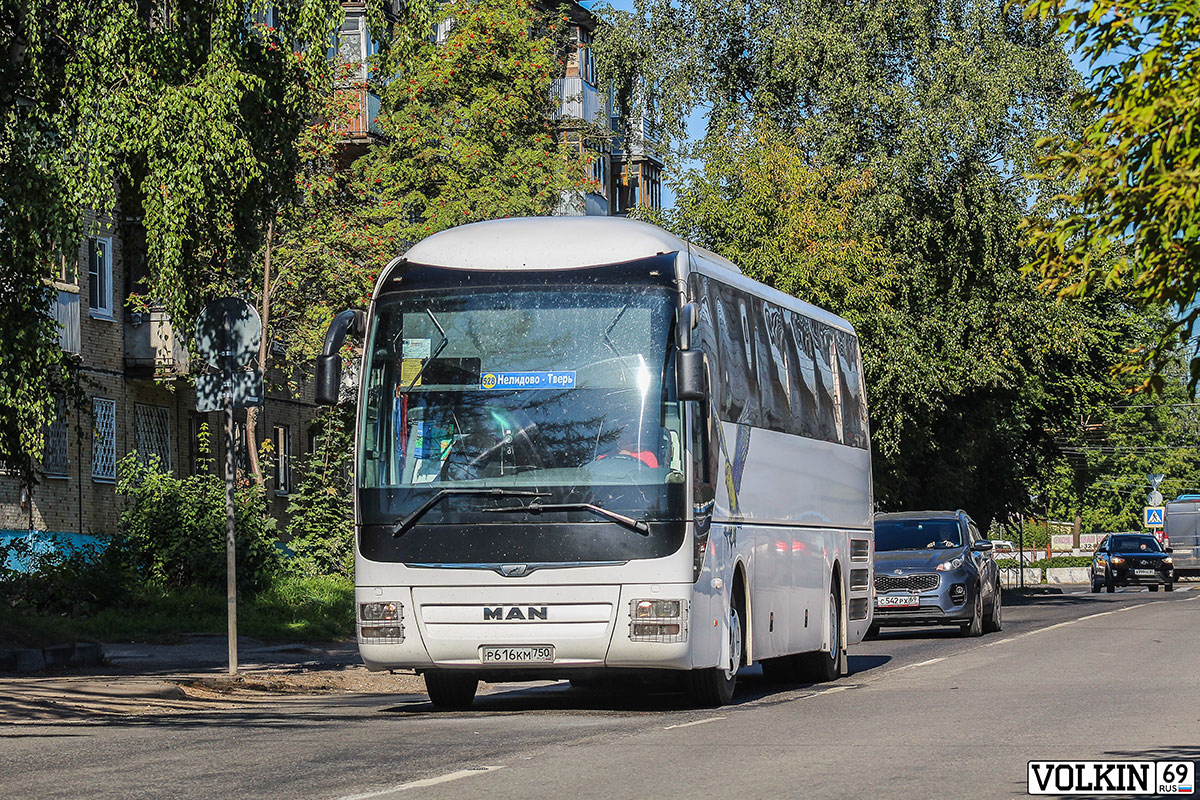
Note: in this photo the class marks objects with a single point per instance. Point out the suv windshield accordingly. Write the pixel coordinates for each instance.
(1135, 544)
(916, 534)
(553, 383)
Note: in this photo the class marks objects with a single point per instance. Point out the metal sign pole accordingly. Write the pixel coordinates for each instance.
(230, 475)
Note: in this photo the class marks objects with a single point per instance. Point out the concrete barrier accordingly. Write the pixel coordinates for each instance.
(1011, 578)
(1068, 575)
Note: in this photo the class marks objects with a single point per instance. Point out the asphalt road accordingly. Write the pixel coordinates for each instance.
(923, 714)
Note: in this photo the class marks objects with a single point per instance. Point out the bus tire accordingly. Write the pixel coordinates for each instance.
(451, 690)
(828, 665)
(714, 686)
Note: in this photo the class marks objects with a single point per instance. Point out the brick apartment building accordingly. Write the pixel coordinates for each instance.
(136, 370)
(135, 375)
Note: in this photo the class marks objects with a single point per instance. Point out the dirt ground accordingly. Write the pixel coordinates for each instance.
(343, 680)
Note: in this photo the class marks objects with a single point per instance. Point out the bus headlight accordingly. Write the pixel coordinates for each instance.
(658, 621)
(380, 623)
(376, 612)
(655, 609)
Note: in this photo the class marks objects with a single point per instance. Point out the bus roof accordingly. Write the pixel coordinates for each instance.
(531, 243)
(555, 243)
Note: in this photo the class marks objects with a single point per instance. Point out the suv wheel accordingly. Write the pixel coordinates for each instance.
(975, 626)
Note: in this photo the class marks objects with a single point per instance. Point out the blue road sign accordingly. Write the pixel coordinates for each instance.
(1152, 516)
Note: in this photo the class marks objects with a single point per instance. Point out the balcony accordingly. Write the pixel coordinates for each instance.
(363, 124)
(578, 99)
(152, 349)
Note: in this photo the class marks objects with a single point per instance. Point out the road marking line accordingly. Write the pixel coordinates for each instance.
(690, 724)
(404, 787)
(1001, 641)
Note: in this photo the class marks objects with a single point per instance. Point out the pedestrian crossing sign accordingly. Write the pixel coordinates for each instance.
(1152, 516)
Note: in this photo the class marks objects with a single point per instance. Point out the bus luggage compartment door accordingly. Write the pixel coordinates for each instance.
(458, 623)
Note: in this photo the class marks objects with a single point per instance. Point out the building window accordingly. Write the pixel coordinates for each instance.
(55, 458)
(104, 439)
(353, 45)
(153, 431)
(282, 437)
(66, 313)
(100, 278)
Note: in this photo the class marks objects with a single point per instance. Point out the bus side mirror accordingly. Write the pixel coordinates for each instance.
(690, 375)
(329, 363)
(689, 318)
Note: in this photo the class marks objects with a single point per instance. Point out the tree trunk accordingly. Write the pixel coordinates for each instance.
(263, 346)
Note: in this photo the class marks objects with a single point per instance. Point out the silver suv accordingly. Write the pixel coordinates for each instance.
(935, 568)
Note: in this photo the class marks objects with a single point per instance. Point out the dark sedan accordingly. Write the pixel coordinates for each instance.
(1132, 559)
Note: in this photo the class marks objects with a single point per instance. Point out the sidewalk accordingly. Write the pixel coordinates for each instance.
(191, 677)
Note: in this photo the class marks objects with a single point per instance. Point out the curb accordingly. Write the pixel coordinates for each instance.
(78, 654)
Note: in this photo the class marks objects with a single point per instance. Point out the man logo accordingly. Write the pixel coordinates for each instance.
(514, 613)
(514, 570)
(488, 381)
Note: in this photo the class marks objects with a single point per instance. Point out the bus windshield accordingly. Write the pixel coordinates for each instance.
(560, 390)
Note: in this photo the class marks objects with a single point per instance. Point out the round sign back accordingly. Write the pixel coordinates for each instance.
(228, 329)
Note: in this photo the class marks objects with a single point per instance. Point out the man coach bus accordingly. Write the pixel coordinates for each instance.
(585, 446)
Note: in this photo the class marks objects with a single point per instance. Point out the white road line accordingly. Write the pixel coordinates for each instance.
(404, 787)
(927, 663)
(690, 724)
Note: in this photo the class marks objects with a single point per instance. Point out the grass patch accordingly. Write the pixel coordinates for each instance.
(291, 609)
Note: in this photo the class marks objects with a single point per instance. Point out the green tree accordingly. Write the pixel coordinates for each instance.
(471, 125)
(756, 201)
(195, 111)
(39, 219)
(1130, 216)
(932, 111)
(321, 509)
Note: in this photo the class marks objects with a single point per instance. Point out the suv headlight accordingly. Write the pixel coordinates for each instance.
(1117, 560)
(1168, 560)
(953, 563)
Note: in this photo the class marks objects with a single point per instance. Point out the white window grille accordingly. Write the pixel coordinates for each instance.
(282, 436)
(153, 425)
(104, 439)
(55, 458)
(100, 278)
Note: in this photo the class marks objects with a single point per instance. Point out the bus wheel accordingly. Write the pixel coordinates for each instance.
(451, 690)
(714, 686)
(828, 665)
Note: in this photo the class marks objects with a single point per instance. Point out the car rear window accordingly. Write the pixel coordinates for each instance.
(1126, 544)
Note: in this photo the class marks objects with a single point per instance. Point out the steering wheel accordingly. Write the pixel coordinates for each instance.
(522, 437)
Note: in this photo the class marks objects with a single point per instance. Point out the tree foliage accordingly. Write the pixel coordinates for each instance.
(39, 219)
(1131, 210)
(931, 112)
(471, 125)
(321, 509)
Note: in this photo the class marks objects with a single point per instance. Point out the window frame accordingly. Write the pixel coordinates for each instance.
(100, 303)
(110, 446)
(281, 437)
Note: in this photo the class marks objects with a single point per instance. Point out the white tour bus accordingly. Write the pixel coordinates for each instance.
(585, 447)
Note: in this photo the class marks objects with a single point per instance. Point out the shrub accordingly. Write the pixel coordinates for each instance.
(321, 508)
(173, 529)
(61, 579)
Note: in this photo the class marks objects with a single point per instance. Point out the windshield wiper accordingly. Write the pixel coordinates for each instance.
(420, 510)
(534, 507)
